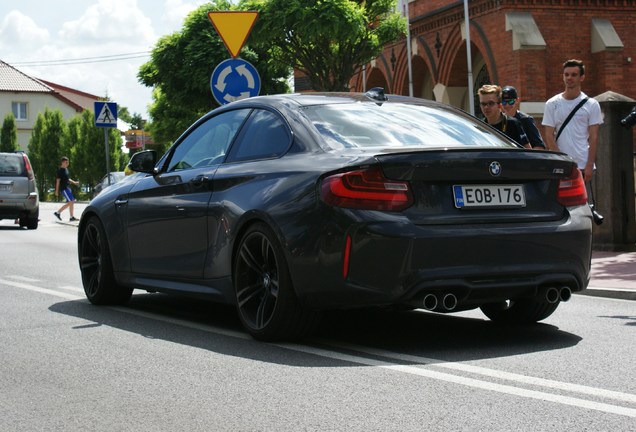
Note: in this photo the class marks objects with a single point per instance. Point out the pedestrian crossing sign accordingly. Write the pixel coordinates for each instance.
(105, 114)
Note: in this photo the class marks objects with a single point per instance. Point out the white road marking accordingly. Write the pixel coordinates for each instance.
(41, 290)
(72, 288)
(23, 278)
(470, 382)
(422, 368)
(478, 370)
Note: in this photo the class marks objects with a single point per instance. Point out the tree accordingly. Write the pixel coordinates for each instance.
(34, 151)
(137, 122)
(327, 40)
(180, 68)
(123, 113)
(9, 135)
(88, 154)
(49, 142)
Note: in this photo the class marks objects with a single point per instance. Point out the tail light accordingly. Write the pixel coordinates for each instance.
(366, 189)
(27, 167)
(572, 190)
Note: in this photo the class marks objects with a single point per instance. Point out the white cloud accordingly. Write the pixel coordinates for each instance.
(175, 12)
(45, 30)
(108, 22)
(20, 31)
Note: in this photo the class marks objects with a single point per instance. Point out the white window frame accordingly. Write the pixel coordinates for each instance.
(20, 110)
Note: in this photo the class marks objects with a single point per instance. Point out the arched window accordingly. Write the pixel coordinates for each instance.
(482, 78)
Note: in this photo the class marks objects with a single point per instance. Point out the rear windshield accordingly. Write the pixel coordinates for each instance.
(11, 165)
(364, 125)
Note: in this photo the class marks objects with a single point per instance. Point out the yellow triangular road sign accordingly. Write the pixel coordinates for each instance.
(233, 27)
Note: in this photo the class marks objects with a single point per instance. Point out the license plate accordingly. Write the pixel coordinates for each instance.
(509, 196)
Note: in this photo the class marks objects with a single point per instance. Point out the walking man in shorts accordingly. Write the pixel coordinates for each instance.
(62, 181)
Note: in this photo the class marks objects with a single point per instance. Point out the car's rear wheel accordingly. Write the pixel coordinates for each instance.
(97, 269)
(519, 311)
(31, 220)
(266, 301)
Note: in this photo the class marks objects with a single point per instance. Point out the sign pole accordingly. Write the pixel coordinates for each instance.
(107, 154)
(469, 61)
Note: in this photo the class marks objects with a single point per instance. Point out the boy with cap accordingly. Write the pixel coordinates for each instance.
(490, 103)
(510, 101)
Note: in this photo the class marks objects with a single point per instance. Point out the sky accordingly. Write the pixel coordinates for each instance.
(81, 34)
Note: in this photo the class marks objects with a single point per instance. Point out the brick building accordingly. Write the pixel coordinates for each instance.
(513, 42)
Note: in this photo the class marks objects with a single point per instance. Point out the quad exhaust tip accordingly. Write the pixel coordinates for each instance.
(450, 302)
(554, 295)
(432, 302)
(565, 294)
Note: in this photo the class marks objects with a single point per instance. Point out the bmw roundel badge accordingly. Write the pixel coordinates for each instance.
(494, 168)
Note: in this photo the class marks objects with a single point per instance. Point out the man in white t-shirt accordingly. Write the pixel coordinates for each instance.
(579, 138)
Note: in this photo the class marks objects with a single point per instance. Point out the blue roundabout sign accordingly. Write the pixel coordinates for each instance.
(234, 79)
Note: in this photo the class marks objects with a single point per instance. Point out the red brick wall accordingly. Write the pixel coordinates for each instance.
(566, 26)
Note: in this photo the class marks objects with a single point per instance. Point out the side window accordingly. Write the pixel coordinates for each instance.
(264, 135)
(208, 143)
(19, 110)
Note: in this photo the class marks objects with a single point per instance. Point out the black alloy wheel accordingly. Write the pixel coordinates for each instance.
(266, 301)
(97, 269)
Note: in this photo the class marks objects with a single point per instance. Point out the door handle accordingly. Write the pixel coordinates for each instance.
(199, 181)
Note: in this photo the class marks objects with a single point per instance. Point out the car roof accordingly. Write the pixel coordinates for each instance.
(324, 98)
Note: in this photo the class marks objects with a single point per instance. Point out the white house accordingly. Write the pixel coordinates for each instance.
(26, 96)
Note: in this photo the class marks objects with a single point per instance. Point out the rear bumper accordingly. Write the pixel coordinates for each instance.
(396, 263)
(11, 208)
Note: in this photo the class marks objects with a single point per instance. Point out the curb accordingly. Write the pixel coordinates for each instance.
(67, 223)
(616, 293)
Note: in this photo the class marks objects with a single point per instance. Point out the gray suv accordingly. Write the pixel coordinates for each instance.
(19, 197)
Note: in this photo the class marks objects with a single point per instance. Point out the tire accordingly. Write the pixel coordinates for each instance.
(32, 220)
(267, 304)
(96, 267)
(519, 312)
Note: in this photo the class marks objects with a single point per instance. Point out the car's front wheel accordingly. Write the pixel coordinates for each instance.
(266, 301)
(525, 311)
(96, 267)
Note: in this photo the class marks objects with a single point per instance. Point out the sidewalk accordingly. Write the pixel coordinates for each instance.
(613, 275)
(48, 207)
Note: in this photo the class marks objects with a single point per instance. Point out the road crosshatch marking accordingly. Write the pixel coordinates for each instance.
(420, 366)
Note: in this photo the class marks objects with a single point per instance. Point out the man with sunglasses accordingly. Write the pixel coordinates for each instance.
(510, 101)
(490, 103)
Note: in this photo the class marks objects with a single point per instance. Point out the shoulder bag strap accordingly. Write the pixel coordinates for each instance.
(567, 120)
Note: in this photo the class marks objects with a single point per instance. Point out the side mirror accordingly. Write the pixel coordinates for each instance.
(143, 161)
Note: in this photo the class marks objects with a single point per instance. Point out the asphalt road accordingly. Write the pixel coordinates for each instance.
(166, 363)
